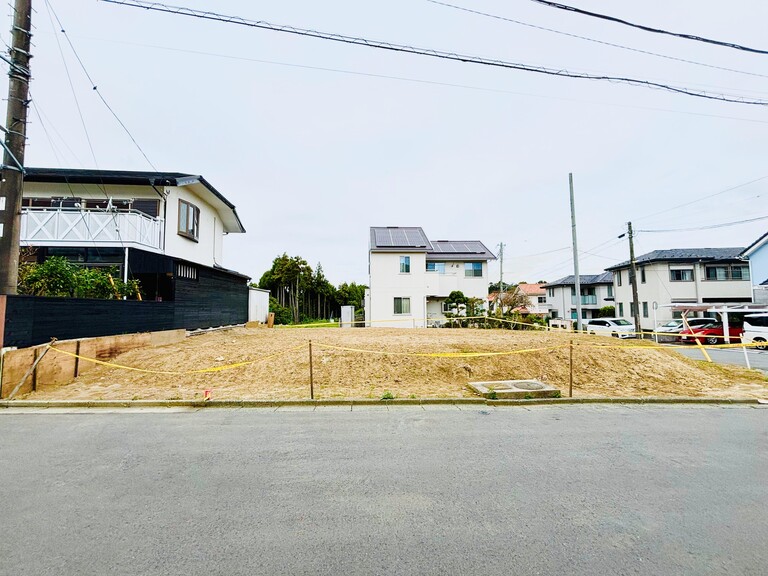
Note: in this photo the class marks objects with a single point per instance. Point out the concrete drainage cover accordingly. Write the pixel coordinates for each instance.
(505, 389)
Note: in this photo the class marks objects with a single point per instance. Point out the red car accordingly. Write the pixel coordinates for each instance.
(710, 334)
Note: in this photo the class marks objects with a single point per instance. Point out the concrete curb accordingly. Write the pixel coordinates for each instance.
(357, 402)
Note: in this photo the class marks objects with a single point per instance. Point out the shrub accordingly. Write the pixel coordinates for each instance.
(58, 277)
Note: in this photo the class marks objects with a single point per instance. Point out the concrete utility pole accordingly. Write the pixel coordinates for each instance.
(633, 276)
(501, 276)
(14, 143)
(576, 277)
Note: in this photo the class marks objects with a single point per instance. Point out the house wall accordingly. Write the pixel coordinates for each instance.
(659, 288)
(207, 249)
(387, 283)
(758, 264)
(562, 303)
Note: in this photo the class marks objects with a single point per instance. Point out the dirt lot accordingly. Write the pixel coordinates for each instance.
(280, 366)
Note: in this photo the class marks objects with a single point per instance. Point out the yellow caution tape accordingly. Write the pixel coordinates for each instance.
(171, 372)
(437, 354)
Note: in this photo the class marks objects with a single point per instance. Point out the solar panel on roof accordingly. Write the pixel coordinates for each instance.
(383, 237)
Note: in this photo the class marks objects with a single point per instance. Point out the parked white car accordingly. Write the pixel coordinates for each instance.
(756, 331)
(616, 327)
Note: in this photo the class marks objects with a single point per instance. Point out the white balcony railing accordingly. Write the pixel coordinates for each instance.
(52, 227)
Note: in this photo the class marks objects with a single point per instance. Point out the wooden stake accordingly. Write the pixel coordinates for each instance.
(570, 377)
(311, 375)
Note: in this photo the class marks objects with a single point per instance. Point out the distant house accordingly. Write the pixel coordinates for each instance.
(411, 276)
(596, 292)
(165, 229)
(757, 257)
(684, 276)
(537, 299)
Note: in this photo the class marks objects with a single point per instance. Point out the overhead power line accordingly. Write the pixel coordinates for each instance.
(649, 28)
(703, 198)
(158, 7)
(711, 226)
(604, 43)
(94, 87)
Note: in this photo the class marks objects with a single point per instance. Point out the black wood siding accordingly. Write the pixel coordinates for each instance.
(216, 298)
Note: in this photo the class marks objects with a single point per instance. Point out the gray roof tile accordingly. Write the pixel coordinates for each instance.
(684, 255)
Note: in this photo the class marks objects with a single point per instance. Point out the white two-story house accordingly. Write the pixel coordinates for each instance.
(672, 279)
(411, 276)
(596, 293)
(164, 229)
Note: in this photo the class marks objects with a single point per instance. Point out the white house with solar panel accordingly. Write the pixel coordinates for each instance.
(410, 276)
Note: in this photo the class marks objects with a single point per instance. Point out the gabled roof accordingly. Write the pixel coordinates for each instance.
(584, 280)
(532, 289)
(413, 239)
(398, 239)
(757, 244)
(230, 218)
(684, 255)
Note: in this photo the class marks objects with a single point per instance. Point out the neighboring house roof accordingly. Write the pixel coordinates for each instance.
(756, 245)
(227, 210)
(532, 289)
(399, 239)
(684, 255)
(459, 250)
(584, 279)
(413, 239)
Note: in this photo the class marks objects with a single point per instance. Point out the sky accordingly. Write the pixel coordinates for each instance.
(317, 141)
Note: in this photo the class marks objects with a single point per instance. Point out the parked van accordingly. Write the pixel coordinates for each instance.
(756, 330)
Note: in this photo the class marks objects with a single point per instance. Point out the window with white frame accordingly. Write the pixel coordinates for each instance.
(402, 305)
(189, 220)
(473, 269)
(405, 264)
(618, 277)
(681, 275)
(438, 267)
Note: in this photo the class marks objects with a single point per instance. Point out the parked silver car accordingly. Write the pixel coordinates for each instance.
(677, 326)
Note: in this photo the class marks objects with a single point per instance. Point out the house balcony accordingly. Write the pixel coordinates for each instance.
(62, 227)
(585, 300)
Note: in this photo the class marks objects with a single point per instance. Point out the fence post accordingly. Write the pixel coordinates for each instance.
(311, 375)
(570, 363)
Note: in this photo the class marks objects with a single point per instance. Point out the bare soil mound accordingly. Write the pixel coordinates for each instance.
(366, 363)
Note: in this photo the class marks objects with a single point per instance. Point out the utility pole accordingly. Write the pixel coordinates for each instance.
(576, 277)
(14, 143)
(633, 276)
(501, 277)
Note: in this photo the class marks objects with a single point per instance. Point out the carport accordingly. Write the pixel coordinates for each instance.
(722, 311)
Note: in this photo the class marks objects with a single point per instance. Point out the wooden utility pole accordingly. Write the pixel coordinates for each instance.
(576, 277)
(14, 143)
(633, 277)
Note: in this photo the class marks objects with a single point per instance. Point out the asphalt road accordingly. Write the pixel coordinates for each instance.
(757, 358)
(577, 490)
